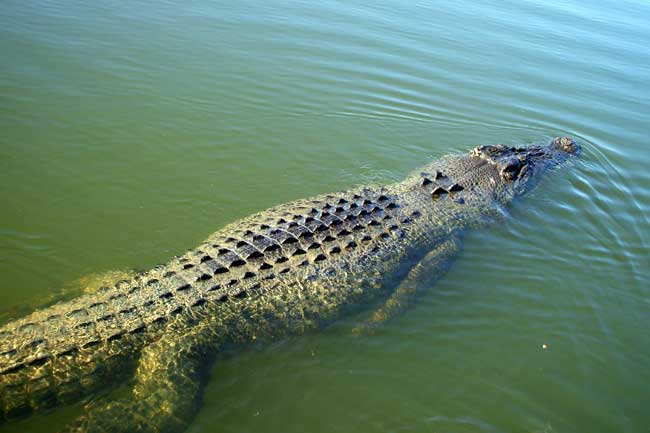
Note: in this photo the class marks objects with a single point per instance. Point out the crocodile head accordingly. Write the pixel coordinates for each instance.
(519, 168)
(497, 172)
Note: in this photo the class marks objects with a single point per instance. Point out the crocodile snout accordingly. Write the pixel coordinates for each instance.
(566, 144)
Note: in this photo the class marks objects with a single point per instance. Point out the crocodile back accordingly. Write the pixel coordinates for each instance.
(345, 240)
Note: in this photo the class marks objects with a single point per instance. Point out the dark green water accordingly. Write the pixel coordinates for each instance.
(132, 130)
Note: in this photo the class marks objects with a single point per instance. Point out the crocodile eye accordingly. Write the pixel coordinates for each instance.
(510, 169)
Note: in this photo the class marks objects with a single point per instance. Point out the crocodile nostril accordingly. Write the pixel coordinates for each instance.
(566, 144)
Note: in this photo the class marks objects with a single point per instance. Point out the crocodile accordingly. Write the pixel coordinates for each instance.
(290, 269)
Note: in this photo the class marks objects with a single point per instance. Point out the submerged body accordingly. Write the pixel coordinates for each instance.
(287, 270)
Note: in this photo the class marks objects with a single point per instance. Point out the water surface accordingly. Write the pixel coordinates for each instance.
(132, 130)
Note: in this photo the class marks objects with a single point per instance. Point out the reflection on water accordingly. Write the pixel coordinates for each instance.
(133, 130)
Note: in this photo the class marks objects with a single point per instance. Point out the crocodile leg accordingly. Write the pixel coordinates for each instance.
(95, 281)
(87, 284)
(421, 277)
(168, 385)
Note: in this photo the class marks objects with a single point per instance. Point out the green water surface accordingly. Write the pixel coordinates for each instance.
(129, 131)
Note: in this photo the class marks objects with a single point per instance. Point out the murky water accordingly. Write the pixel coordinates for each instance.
(132, 130)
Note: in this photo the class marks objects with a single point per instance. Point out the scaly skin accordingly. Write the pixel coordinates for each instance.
(286, 270)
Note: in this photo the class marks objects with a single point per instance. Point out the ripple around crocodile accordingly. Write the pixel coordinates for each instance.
(289, 269)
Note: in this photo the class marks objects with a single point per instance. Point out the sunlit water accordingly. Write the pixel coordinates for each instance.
(132, 130)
